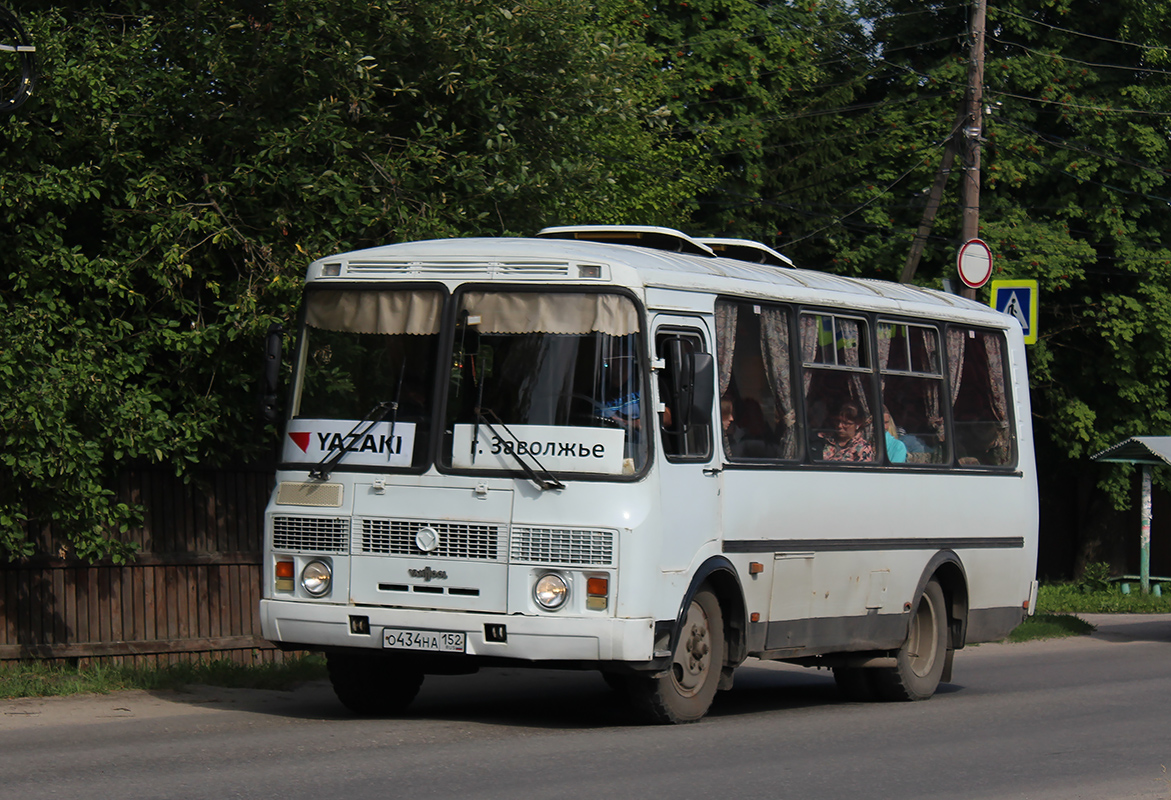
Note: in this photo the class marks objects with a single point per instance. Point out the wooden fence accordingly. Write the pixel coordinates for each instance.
(192, 593)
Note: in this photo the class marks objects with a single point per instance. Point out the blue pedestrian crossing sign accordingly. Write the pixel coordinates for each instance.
(1018, 299)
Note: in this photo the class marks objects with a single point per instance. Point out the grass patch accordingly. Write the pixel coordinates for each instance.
(1050, 626)
(39, 679)
(1073, 598)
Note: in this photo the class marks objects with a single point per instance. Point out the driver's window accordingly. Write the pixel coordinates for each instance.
(683, 438)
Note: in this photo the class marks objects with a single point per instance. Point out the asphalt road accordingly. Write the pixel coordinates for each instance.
(1076, 718)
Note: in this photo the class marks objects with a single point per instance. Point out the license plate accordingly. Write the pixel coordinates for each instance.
(430, 641)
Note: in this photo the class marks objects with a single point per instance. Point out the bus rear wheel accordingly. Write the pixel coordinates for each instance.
(372, 685)
(685, 691)
(920, 661)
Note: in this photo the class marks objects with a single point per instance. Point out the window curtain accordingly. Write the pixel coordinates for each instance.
(849, 334)
(810, 326)
(774, 344)
(955, 359)
(726, 316)
(996, 376)
(931, 398)
(365, 311)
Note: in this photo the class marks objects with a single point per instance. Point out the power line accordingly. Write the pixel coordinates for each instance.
(1065, 144)
(1081, 106)
(1066, 59)
(1001, 10)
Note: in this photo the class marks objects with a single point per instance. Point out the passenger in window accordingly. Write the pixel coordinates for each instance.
(896, 451)
(846, 441)
(727, 417)
(982, 443)
(732, 432)
(622, 406)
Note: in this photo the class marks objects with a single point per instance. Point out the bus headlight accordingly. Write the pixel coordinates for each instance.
(551, 591)
(316, 578)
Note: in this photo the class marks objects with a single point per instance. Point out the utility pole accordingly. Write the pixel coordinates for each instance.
(964, 141)
(972, 131)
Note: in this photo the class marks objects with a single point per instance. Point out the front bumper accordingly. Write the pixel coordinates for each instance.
(530, 638)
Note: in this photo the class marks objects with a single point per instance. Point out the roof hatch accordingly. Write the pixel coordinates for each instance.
(747, 250)
(633, 235)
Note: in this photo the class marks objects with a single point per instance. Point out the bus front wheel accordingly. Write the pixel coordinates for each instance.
(372, 685)
(920, 661)
(685, 691)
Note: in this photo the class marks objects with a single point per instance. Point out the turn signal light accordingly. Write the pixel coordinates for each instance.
(284, 572)
(597, 593)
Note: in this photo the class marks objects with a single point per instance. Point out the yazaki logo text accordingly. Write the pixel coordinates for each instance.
(311, 440)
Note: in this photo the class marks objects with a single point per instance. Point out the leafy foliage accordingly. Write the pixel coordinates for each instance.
(1068, 598)
(181, 163)
(766, 84)
(1074, 195)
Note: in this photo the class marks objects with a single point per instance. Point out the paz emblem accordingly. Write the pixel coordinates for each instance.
(427, 539)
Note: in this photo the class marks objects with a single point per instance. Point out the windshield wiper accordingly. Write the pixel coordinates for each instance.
(372, 418)
(545, 479)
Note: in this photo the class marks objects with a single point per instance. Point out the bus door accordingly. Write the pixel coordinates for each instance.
(689, 474)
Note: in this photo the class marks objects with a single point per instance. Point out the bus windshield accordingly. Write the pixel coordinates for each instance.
(553, 379)
(366, 378)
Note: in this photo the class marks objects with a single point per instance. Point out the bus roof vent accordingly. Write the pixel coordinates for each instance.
(747, 250)
(633, 235)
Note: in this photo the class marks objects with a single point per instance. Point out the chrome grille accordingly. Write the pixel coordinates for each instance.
(566, 546)
(397, 537)
(310, 534)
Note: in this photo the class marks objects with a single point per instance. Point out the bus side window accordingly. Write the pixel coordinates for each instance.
(683, 439)
(838, 379)
(979, 390)
(912, 392)
(756, 381)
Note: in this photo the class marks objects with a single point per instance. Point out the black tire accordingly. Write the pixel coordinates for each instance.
(855, 683)
(372, 685)
(921, 659)
(685, 692)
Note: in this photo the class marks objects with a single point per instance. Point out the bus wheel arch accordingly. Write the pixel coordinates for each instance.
(936, 627)
(720, 576)
(948, 571)
(922, 658)
(706, 642)
(684, 689)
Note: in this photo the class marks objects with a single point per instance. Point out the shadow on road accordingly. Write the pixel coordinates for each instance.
(550, 699)
(1130, 627)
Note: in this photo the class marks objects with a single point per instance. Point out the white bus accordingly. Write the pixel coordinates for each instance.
(624, 449)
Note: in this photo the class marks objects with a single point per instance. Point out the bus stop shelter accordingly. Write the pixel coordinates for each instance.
(1149, 451)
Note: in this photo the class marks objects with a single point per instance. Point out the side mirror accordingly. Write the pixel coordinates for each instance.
(694, 379)
(272, 371)
(703, 390)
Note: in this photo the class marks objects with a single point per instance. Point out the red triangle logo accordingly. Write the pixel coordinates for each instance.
(301, 439)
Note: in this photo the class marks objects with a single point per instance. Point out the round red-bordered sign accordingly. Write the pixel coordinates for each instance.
(974, 263)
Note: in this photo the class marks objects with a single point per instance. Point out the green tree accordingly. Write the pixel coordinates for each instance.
(1074, 194)
(769, 85)
(181, 163)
